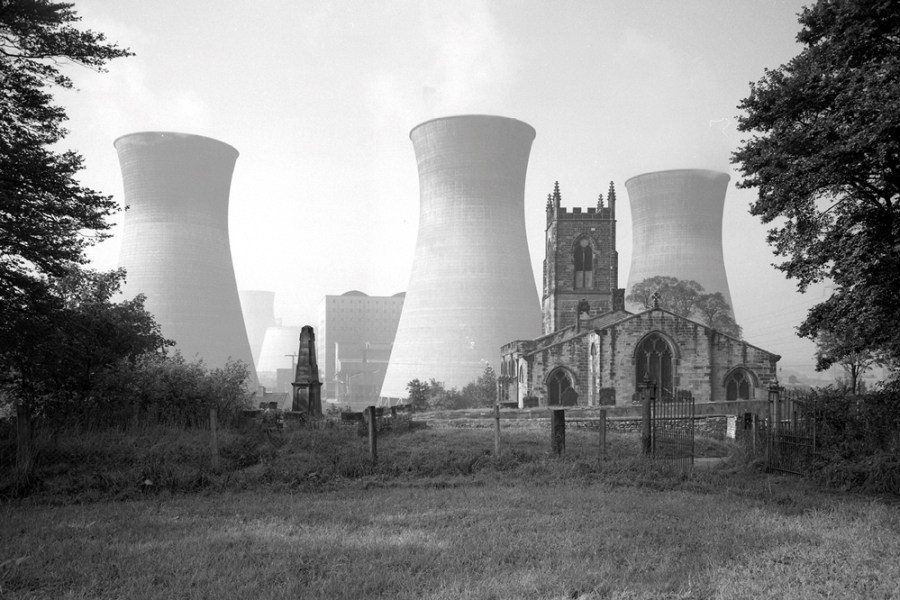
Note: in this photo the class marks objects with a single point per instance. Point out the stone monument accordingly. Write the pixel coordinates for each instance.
(307, 387)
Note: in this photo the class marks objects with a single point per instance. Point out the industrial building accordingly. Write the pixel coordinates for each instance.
(355, 336)
(472, 287)
(175, 243)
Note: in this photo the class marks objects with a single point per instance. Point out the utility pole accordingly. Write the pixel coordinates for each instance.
(293, 362)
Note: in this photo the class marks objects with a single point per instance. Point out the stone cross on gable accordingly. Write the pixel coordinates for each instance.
(655, 297)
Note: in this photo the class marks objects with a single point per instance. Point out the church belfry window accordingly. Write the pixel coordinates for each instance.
(653, 360)
(584, 265)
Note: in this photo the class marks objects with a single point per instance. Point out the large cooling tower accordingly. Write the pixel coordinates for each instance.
(175, 242)
(258, 308)
(472, 288)
(677, 227)
(279, 351)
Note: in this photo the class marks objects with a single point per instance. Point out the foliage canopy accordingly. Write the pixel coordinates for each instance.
(686, 299)
(47, 219)
(824, 155)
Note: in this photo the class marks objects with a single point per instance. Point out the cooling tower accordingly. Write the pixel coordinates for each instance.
(677, 227)
(258, 308)
(471, 289)
(278, 347)
(175, 241)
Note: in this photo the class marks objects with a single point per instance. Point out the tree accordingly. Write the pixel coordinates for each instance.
(483, 391)
(673, 294)
(716, 313)
(60, 353)
(419, 394)
(824, 156)
(832, 348)
(47, 219)
(686, 299)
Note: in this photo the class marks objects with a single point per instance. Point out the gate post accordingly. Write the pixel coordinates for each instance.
(558, 430)
(775, 424)
(602, 434)
(373, 433)
(648, 395)
(497, 430)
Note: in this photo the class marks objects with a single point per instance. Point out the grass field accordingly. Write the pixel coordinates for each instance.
(440, 518)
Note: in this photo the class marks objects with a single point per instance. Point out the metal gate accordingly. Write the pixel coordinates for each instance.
(791, 432)
(671, 425)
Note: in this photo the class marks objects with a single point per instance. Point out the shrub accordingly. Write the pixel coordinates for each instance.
(858, 438)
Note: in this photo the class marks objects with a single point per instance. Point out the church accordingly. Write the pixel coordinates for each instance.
(594, 352)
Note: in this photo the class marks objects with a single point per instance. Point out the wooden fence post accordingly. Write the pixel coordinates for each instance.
(497, 430)
(24, 455)
(214, 438)
(603, 434)
(647, 394)
(373, 433)
(558, 430)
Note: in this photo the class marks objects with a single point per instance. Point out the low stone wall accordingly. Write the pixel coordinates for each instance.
(713, 426)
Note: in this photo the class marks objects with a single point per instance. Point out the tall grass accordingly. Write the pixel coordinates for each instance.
(75, 467)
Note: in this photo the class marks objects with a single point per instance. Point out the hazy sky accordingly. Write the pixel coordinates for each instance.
(319, 97)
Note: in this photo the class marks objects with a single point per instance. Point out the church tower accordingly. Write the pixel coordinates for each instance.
(581, 265)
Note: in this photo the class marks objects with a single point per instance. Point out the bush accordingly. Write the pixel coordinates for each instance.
(858, 438)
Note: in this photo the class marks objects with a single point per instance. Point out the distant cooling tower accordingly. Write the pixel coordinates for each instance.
(279, 351)
(677, 227)
(258, 308)
(472, 288)
(175, 242)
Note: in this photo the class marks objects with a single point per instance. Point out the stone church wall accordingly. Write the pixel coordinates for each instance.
(602, 363)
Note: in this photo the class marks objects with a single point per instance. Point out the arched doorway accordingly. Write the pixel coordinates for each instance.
(561, 389)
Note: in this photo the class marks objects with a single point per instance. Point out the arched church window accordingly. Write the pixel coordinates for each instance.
(654, 361)
(584, 265)
(557, 385)
(739, 385)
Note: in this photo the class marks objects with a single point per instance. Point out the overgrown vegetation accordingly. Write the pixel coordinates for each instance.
(858, 438)
(435, 396)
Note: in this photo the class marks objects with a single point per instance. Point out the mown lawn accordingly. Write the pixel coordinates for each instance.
(306, 516)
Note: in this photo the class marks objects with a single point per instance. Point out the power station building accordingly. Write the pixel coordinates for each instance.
(354, 341)
(472, 286)
(175, 243)
(596, 353)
